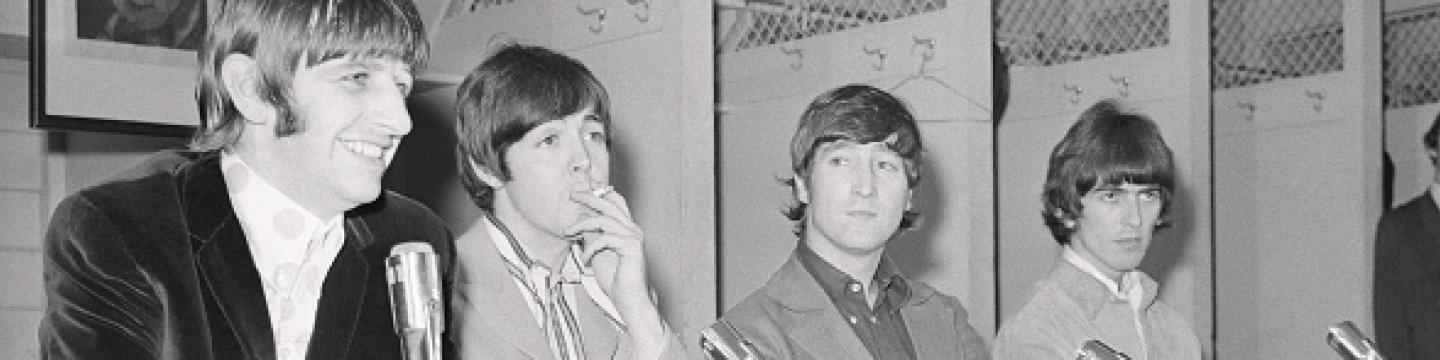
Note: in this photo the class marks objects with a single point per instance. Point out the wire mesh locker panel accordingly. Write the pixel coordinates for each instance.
(1262, 41)
(1052, 32)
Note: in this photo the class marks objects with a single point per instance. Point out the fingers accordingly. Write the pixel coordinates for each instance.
(604, 200)
(606, 233)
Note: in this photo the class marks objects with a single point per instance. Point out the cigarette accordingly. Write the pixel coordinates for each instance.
(601, 191)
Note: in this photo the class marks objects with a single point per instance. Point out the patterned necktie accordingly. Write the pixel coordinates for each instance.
(562, 329)
(546, 290)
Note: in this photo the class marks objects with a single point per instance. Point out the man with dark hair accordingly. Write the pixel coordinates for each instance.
(1407, 251)
(1107, 190)
(268, 240)
(555, 267)
(856, 157)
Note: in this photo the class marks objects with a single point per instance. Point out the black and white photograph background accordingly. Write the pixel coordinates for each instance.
(176, 24)
(124, 66)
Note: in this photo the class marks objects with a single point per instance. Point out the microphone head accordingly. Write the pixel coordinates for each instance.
(1098, 350)
(413, 275)
(1347, 340)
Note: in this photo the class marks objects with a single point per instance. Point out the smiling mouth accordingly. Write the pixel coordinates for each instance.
(364, 148)
(861, 214)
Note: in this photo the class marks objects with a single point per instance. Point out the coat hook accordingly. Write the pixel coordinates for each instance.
(644, 17)
(928, 44)
(1074, 91)
(1124, 82)
(1248, 107)
(797, 53)
(599, 13)
(1319, 97)
(877, 52)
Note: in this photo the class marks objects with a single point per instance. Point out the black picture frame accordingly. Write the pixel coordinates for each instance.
(94, 68)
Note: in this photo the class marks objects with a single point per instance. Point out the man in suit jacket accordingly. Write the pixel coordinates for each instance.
(555, 266)
(1107, 190)
(1407, 271)
(856, 158)
(268, 240)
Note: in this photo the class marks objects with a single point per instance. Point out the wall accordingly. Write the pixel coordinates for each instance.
(41, 167)
(1413, 171)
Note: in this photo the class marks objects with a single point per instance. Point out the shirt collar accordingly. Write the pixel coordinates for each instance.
(525, 269)
(1435, 193)
(887, 279)
(1136, 289)
(277, 228)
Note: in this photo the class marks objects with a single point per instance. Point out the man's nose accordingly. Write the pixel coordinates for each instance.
(580, 158)
(863, 181)
(390, 111)
(1131, 211)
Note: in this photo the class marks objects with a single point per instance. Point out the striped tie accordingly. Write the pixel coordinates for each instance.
(562, 329)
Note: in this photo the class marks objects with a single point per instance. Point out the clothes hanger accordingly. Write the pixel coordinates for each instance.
(923, 74)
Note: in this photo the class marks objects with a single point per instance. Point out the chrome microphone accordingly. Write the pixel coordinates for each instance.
(416, 306)
(1350, 343)
(722, 342)
(1097, 350)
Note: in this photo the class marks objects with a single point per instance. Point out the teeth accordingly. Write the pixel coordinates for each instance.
(363, 148)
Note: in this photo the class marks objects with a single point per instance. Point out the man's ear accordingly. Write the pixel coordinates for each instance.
(802, 193)
(1065, 220)
(484, 174)
(240, 75)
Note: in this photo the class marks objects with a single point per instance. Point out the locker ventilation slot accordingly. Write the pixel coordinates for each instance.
(1053, 32)
(768, 22)
(1412, 57)
(1259, 41)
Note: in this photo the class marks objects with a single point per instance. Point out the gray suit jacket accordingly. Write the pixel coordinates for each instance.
(792, 318)
(490, 320)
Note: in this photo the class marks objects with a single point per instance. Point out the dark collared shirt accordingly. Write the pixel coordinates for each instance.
(881, 329)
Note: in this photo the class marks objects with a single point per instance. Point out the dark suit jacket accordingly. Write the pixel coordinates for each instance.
(155, 265)
(792, 318)
(1407, 281)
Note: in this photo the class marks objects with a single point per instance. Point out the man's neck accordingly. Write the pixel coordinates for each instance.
(287, 185)
(540, 246)
(860, 265)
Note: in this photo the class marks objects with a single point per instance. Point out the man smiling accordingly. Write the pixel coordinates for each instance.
(267, 241)
(856, 157)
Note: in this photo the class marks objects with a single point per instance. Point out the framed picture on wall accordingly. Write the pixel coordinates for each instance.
(124, 66)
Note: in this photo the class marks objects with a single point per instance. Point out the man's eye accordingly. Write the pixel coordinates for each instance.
(1150, 195)
(357, 77)
(839, 161)
(549, 140)
(598, 136)
(1107, 196)
(889, 166)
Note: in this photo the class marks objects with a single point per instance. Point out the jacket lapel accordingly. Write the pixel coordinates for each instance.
(1428, 240)
(342, 295)
(223, 257)
(816, 325)
(932, 328)
(490, 295)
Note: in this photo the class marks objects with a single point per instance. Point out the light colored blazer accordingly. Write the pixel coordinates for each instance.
(1070, 307)
(490, 320)
(792, 318)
